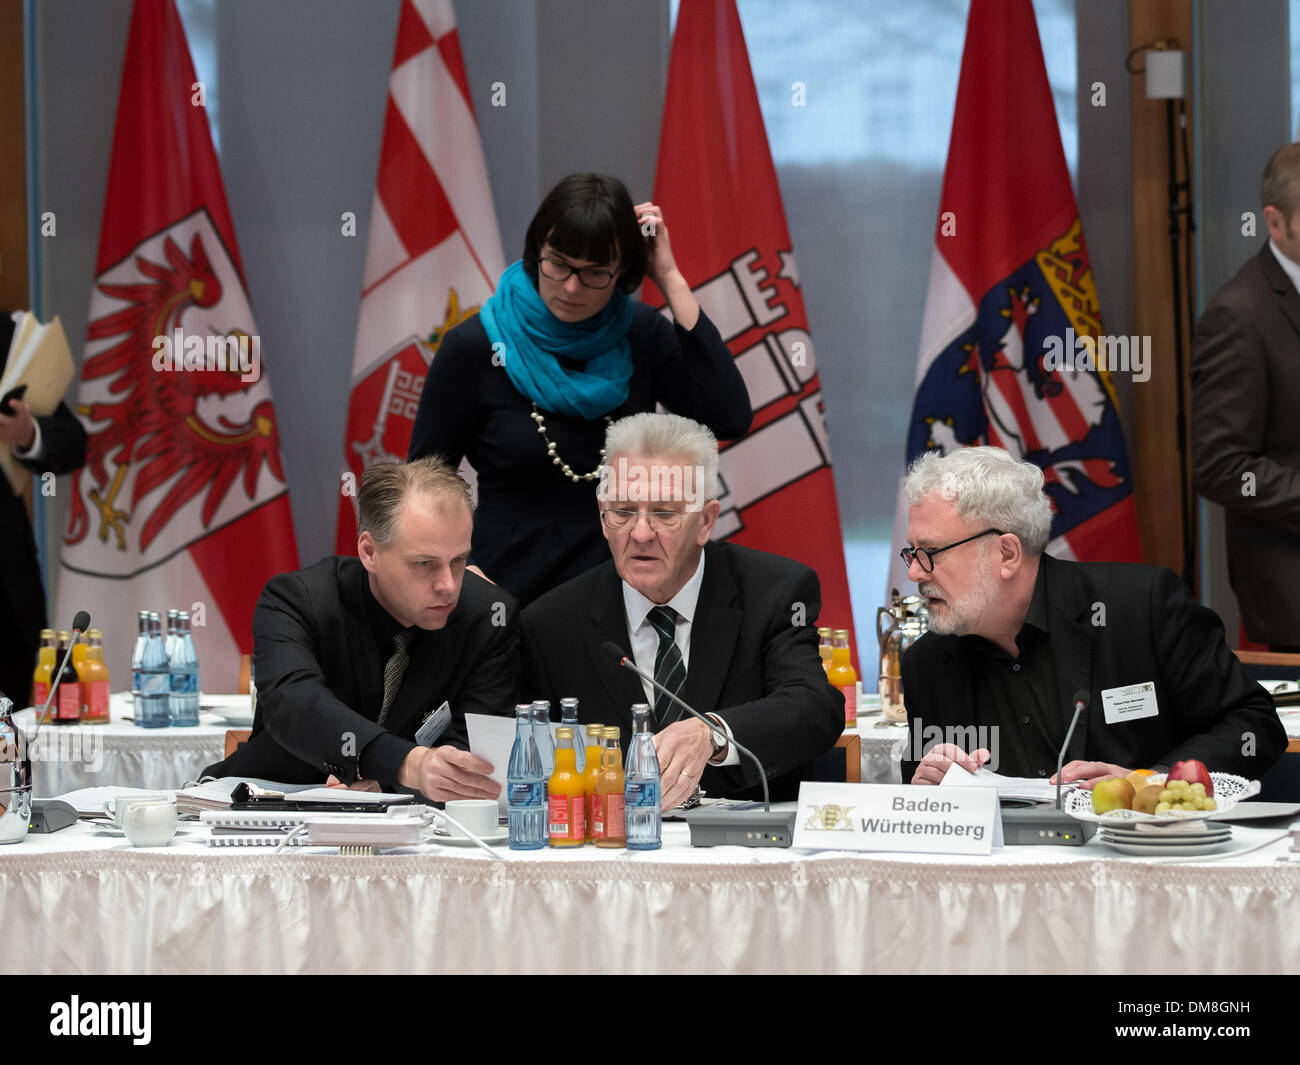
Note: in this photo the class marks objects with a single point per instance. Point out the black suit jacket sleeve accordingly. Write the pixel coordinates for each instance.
(800, 716)
(63, 443)
(1231, 721)
(302, 714)
(1230, 401)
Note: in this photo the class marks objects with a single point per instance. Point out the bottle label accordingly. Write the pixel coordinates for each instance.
(591, 815)
(610, 820)
(641, 795)
(523, 793)
(850, 692)
(96, 704)
(567, 818)
(42, 693)
(69, 702)
(185, 683)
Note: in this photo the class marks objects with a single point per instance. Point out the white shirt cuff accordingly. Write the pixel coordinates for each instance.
(732, 757)
(33, 453)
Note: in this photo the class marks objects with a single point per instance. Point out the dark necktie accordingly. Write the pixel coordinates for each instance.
(670, 668)
(394, 670)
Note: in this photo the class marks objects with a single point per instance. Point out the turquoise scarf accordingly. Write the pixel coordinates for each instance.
(532, 338)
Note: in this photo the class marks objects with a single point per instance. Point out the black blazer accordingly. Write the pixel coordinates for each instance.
(1153, 631)
(319, 669)
(1245, 374)
(22, 598)
(748, 663)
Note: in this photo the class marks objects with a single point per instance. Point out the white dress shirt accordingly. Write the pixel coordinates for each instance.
(1292, 269)
(645, 638)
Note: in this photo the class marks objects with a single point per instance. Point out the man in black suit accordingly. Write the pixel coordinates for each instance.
(53, 444)
(1245, 374)
(1015, 633)
(730, 630)
(353, 655)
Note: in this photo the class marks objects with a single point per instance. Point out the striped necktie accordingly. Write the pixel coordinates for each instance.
(670, 668)
(394, 670)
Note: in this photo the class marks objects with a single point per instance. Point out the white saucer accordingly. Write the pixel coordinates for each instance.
(1165, 844)
(1130, 835)
(1149, 850)
(501, 835)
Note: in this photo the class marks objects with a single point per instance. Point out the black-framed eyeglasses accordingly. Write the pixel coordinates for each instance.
(926, 556)
(591, 276)
(618, 518)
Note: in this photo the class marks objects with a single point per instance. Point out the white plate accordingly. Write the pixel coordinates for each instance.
(1147, 850)
(1229, 790)
(1173, 841)
(501, 835)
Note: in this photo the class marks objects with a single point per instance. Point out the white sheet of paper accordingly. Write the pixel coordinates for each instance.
(958, 777)
(361, 798)
(492, 738)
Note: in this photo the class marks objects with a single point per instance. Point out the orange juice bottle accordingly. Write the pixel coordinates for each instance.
(567, 807)
(595, 733)
(45, 664)
(93, 674)
(843, 676)
(824, 648)
(611, 824)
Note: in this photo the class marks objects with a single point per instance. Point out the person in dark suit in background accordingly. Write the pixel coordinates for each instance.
(1014, 633)
(526, 388)
(353, 655)
(53, 444)
(1245, 374)
(731, 630)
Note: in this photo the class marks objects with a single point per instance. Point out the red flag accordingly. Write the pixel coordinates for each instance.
(182, 501)
(717, 186)
(434, 252)
(1012, 311)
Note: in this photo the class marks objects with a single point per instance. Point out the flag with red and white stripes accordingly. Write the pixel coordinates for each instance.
(1011, 339)
(434, 251)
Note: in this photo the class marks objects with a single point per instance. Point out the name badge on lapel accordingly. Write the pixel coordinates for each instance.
(1131, 703)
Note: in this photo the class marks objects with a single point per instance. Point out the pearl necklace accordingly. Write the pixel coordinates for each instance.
(565, 468)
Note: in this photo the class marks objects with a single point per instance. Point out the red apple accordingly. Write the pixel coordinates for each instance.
(1193, 772)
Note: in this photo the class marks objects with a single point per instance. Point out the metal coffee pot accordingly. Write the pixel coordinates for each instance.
(898, 626)
(15, 777)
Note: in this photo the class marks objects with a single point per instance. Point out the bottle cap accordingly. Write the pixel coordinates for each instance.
(824, 631)
(64, 634)
(94, 634)
(611, 732)
(564, 732)
(841, 634)
(523, 708)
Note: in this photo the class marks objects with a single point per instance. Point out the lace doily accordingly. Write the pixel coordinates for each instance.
(1228, 791)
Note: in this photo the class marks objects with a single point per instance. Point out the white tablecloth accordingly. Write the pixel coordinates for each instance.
(83, 900)
(70, 757)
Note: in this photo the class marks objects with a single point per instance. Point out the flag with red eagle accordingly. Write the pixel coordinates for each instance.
(182, 501)
(434, 252)
(715, 177)
(1011, 351)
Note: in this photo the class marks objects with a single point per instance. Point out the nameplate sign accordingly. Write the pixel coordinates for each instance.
(895, 817)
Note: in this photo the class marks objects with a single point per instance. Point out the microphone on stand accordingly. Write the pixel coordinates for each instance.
(50, 815)
(1048, 823)
(711, 826)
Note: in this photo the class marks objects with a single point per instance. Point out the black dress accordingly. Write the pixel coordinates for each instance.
(535, 528)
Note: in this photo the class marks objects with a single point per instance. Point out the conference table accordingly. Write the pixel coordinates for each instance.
(84, 900)
(71, 757)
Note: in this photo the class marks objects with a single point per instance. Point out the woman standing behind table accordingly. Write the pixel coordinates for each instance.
(526, 388)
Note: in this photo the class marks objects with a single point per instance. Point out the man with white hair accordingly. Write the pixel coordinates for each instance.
(732, 631)
(1014, 633)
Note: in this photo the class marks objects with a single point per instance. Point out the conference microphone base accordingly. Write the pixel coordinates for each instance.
(51, 815)
(712, 827)
(1044, 824)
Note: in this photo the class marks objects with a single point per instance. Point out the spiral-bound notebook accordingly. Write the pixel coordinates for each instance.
(253, 828)
(238, 828)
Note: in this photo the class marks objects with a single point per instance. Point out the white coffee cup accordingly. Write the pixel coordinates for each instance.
(147, 822)
(117, 805)
(479, 816)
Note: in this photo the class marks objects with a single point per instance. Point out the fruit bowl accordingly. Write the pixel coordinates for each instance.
(1228, 791)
